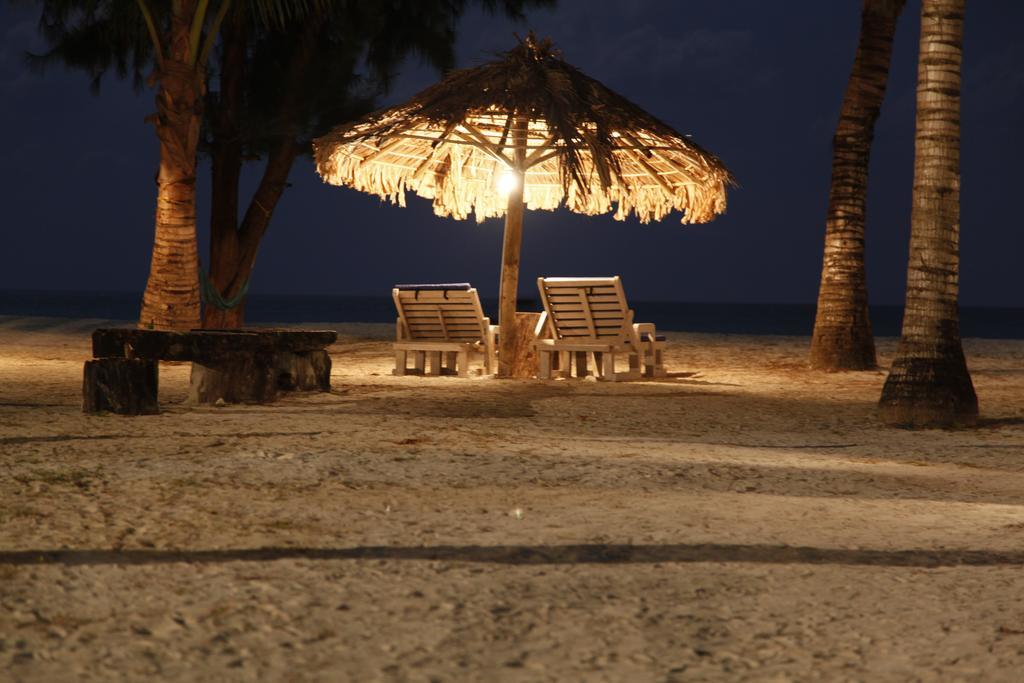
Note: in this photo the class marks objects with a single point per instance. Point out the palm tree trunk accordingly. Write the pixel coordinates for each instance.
(171, 299)
(233, 255)
(226, 170)
(508, 290)
(261, 209)
(929, 384)
(842, 337)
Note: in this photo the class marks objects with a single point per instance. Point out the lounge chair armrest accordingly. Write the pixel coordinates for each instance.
(645, 328)
(542, 326)
(647, 333)
(634, 335)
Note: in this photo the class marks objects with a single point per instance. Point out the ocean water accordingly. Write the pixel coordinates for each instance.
(767, 319)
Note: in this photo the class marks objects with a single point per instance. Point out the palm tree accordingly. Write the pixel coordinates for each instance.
(842, 329)
(171, 298)
(929, 384)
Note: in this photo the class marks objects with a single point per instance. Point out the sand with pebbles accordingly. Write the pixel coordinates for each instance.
(743, 519)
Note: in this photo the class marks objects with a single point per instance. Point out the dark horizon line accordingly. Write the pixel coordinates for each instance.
(640, 300)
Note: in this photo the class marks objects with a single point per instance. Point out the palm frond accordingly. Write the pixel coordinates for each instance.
(96, 36)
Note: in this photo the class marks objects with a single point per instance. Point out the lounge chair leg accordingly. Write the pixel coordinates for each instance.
(609, 365)
(450, 358)
(400, 357)
(420, 361)
(564, 364)
(434, 363)
(598, 365)
(581, 364)
(654, 367)
(462, 364)
(544, 372)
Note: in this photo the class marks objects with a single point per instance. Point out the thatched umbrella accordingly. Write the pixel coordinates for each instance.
(525, 130)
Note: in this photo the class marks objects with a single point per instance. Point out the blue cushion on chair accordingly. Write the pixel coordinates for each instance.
(646, 336)
(461, 286)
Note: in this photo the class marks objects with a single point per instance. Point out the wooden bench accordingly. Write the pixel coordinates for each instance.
(235, 366)
(441, 322)
(590, 318)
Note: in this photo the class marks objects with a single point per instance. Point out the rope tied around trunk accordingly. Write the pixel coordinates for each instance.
(212, 297)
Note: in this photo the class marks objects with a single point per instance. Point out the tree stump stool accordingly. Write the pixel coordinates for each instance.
(251, 378)
(120, 385)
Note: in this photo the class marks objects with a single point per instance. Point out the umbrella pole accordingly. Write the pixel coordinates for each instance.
(509, 288)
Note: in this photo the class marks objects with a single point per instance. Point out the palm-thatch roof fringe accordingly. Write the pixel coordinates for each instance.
(586, 147)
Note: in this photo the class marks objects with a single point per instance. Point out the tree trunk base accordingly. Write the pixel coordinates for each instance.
(928, 393)
(248, 379)
(521, 361)
(120, 385)
(843, 349)
(231, 319)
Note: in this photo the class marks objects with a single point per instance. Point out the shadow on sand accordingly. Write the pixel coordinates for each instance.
(536, 555)
(997, 422)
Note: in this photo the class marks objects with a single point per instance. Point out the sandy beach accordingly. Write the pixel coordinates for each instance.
(742, 519)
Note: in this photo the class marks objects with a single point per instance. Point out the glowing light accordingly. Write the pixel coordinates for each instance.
(508, 181)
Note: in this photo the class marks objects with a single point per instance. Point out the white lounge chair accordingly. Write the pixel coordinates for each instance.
(442, 322)
(589, 317)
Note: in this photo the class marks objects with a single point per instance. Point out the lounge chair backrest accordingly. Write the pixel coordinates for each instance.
(585, 308)
(443, 313)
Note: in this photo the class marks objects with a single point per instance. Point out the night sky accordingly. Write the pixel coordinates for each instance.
(758, 83)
